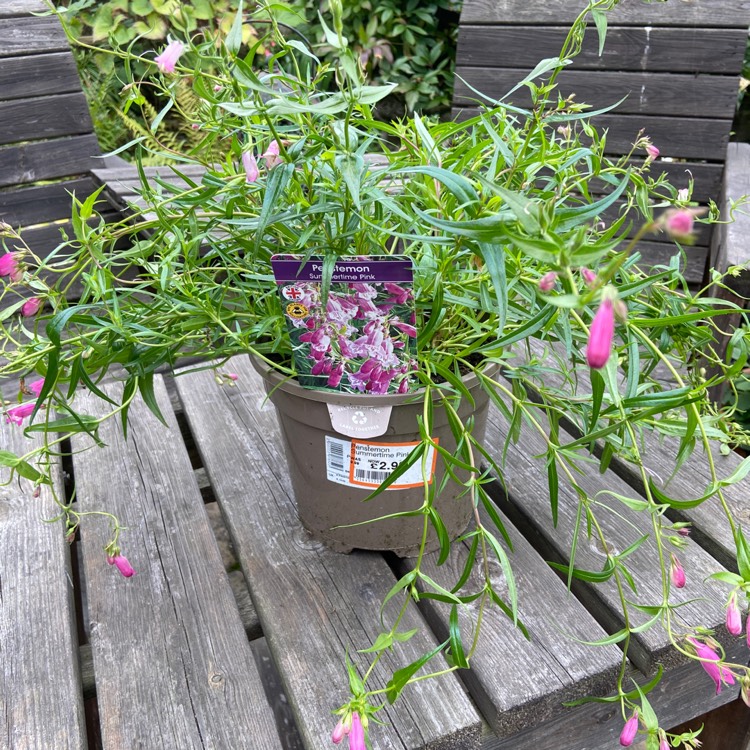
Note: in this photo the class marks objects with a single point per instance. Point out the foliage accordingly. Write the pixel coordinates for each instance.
(501, 217)
(411, 43)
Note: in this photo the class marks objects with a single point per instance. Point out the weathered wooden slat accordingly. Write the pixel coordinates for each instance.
(641, 93)
(688, 138)
(527, 505)
(44, 203)
(711, 528)
(42, 703)
(44, 117)
(47, 160)
(659, 253)
(10, 8)
(300, 587)
(173, 666)
(658, 50)
(50, 74)
(518, 683)
(30, 35)
(699, 13)
(684, 692)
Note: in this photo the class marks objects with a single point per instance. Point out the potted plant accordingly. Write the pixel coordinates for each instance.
(499, 222)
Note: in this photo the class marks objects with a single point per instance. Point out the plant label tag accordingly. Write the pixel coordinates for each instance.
(358, 463)
(357, 335)
(360, 421)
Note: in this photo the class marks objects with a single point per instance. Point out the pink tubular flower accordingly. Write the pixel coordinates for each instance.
(356, 734)
(31, 307)
(734, 618)
(679, 224)
(18, 413)
(251, 166)
(601, 335)
(271, 155)
(664, 744)
(589, 276)
(122, 564)
(547, 282)
(630, 730)
(652, 151)
(168, 59)
(677, 573)
(714, 670)
(9, 266)
(36, 387)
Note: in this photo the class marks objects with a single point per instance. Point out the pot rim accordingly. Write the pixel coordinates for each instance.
(289, 384)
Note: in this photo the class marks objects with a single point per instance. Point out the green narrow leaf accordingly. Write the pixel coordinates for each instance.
(743, 554)
(458, 655)
(146, 387)
(494, 261)
(402, 676)
(442, 535)
(233, 42)
(597, 390)
(600, 20)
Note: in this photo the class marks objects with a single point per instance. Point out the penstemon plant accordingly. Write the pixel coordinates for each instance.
(501, 218)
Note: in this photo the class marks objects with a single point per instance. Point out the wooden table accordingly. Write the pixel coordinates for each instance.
(169, 659)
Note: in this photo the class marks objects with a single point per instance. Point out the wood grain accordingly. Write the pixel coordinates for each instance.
(50, 74)
(47, 160)
(694, 138)
(300, 588)
(42, 702)
(638, 93)
(44, 117)
(44, 203)
(527, 505)
(700, 13)
(630, 48)
(10, 8)
(519, 684)
(173, 666)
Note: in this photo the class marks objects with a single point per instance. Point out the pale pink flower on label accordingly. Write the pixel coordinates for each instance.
(167, 60)
(31, 307)
(122, 564)
(17, 414)
(251, 166)
(548, 281)
(601, 335)
(677, 573)
(734, 618)
(629, 731)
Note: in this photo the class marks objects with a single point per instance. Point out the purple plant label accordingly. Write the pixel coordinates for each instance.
(364, 339)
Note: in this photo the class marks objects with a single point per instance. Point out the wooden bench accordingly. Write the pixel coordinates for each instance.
(170, 659)
(171, 664)
(675, 64)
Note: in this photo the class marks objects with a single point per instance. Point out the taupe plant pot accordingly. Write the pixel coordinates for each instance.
(315, 449)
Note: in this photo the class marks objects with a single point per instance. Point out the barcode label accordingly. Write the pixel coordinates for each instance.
(336, 456)
(362, 475)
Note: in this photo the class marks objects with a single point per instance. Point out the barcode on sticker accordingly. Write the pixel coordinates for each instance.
(361, 475)
(337, 455)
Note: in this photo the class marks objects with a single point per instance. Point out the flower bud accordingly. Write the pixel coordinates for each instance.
(734, 618)
(339, 732)
(589, 276)
(677, 573)
(547, 282)
(31, 307)
(601, 335)
(630, 730)
(652, 152)
(356, 734)
(122, 564)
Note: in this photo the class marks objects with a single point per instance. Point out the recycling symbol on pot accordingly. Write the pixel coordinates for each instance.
(359, 422)
(359, 417)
